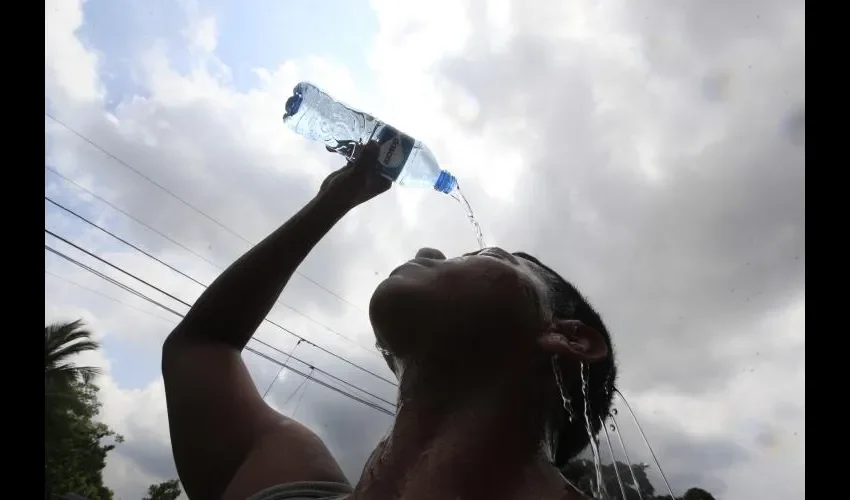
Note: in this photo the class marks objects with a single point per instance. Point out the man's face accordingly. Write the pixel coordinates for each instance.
(462, 305)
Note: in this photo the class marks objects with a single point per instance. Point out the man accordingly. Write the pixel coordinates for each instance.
(494, 353)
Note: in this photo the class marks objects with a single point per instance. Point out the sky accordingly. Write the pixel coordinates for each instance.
(652, 152)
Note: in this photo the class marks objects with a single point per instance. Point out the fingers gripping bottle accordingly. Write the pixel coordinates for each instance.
(404, 160)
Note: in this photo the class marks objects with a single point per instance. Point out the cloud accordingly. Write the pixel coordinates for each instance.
(70, 68)
(684, 213)
(652, 153)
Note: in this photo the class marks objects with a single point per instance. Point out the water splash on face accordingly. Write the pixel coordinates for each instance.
(550, 442)
(383, 351)
(565, 401)
(598, 487)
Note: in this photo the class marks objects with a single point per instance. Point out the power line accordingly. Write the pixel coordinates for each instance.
(184, 247)
(300, 398)
(129, 289)
(109, 279)
(277, 375)
(145, 177)
(134, 292)
(105, 296)
(248, 348)
(326, 373)
(90, 254)
(323, 384)
(169, 266)
(169, 295)
(299, 386)
(122, 240)
(186, 203)
(131, 217)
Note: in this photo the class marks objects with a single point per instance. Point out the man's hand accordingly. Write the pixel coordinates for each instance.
(358, 181)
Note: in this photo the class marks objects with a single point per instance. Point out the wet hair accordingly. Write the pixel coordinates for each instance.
(572, 435)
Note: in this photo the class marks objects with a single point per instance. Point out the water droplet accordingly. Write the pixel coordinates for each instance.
(614, 411)
(612, 427)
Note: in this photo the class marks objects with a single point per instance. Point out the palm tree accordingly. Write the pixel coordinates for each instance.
(61, 342)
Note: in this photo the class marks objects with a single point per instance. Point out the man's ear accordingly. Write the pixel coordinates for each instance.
(573, 340)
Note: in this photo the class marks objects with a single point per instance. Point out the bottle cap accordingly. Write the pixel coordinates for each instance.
(445, 183)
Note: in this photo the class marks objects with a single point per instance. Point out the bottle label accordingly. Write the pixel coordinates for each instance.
(394, 149)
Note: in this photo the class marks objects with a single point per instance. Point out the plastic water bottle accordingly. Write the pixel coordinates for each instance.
(401, 158)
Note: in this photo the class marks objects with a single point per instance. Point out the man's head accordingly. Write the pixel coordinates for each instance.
(494, 314)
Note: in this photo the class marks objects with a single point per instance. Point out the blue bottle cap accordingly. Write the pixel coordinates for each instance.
(292, 105)
(446, 182)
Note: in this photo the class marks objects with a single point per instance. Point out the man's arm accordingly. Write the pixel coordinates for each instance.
(226, 441)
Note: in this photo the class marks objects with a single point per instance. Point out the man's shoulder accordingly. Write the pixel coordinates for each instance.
(288, 454)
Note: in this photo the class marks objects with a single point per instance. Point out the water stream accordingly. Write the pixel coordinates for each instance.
(646, 441)
(625, 453)
(599, 487)
(613, 457)
(458, 196)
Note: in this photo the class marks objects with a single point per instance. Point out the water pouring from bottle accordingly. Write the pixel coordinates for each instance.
(402, 159)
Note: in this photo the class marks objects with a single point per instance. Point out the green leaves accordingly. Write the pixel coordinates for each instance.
(62, 341)
(75, 445)
(169, 490)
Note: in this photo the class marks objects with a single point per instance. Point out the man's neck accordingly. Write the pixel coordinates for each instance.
(462, 442)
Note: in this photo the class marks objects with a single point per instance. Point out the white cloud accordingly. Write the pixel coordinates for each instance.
(70, 68)
(202, 34)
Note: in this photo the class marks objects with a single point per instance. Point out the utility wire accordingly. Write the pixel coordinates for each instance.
(169, 266)
(105, 296)
(247, 348)
(129, 289)
(131, 216)
(334, 377)
(177, 197)
(322, 383)
(297, 388)
(90, 254)
(110, 279)
(277, 375)
(122, 240)
(142, 296)
(169, 295)
(300, 398)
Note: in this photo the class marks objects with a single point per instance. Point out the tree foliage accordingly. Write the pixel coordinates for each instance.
(75, 444)
(169, 490)
(636, 483)
(62, 341)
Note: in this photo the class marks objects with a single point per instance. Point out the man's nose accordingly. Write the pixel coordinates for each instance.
(430, 253)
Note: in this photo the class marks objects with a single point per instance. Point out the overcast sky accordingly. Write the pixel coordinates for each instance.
(653, 152)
